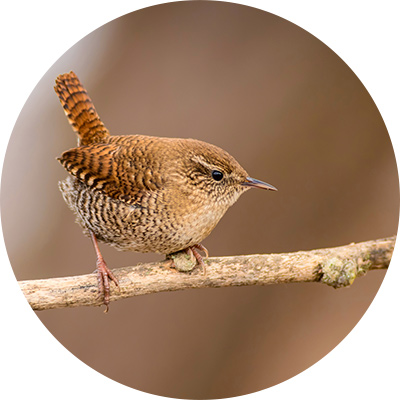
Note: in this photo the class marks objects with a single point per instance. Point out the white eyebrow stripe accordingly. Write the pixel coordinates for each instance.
(203, 163)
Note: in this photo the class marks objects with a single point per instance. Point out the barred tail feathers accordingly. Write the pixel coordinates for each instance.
(79, 109)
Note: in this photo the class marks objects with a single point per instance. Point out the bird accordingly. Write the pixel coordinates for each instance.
(143, 193)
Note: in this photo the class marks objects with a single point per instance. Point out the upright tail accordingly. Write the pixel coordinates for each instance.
(79, 109)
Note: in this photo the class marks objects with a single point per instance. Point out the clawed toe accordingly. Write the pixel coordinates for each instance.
(194, 249)
(180, 262)
(104, 276)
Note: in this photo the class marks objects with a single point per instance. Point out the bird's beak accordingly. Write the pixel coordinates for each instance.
(258, 184)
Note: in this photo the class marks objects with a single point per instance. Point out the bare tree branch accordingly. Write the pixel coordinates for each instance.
(337, 267)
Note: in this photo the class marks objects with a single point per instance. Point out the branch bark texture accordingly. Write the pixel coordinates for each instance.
(336, 267)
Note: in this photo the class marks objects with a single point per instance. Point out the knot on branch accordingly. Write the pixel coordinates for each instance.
(184, 262)
(338, 272)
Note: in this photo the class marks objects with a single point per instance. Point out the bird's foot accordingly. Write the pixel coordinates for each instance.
(185, 260)
(195, 251)
(104, 276)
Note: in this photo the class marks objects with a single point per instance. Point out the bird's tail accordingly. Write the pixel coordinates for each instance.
(79, 109)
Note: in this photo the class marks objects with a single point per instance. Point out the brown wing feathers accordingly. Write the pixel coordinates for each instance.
(93, 165)
(80, 110)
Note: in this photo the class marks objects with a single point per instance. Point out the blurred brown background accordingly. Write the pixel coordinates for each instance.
(291, 112)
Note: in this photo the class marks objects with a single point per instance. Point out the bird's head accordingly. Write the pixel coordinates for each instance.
(213, 174)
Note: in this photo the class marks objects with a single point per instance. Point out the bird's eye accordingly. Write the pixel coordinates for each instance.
(217, 175)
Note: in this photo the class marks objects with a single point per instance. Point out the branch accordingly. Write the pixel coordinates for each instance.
(337, 267)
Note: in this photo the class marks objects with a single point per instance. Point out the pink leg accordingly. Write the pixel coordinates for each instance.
(197, 255)
(104, 275)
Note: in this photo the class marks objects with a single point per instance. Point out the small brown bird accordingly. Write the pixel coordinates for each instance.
(143, 193)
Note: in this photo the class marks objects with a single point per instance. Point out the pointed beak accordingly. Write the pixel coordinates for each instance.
(258, 184)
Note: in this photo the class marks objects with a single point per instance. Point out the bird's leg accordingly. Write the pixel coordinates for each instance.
(197, 255)
(104, 275)
(200, 247)
(180, 262)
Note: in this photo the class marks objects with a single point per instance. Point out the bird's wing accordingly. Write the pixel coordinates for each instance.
(113, 169)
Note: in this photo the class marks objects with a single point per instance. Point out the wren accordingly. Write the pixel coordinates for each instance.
(142, 193)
